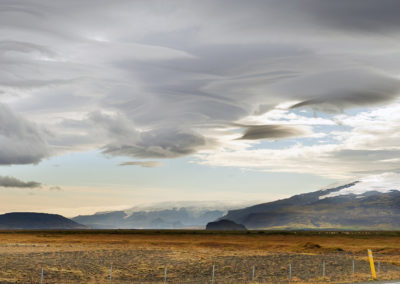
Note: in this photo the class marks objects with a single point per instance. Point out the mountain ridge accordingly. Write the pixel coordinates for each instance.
(173, 218)
(316, 210)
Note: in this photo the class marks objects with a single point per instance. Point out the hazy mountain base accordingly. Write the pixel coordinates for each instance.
(157, 219)
(369, 211)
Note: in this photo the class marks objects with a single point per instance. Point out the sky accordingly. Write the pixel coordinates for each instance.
(109, 104)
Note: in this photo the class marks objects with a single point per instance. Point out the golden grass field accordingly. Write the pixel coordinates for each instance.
(140, 256)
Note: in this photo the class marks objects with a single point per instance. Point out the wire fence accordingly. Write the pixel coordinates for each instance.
(157, 266)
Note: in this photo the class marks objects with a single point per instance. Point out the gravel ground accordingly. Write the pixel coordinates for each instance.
(147, 266)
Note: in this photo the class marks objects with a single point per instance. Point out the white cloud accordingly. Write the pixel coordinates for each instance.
(368, 142)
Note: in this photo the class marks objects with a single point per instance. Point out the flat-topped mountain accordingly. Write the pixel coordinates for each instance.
(30, 220)
(225, 225)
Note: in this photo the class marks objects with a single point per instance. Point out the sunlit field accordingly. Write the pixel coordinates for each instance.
(136, 256)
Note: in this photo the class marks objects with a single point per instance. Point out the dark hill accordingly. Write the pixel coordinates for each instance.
(27, 220)
(225, 225)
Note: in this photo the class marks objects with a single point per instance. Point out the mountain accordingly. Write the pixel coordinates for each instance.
(225, 225)
(22, 220)
(166, 215)
(106, 220)
(351, 206)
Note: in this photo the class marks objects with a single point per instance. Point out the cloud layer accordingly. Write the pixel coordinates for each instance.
(146, 79)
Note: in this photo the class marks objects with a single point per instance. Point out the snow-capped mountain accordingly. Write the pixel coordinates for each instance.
(371, 203)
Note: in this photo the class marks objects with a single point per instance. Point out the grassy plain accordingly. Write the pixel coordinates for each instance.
(141, 255)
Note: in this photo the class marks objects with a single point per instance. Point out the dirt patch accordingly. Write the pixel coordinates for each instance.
(310, 245)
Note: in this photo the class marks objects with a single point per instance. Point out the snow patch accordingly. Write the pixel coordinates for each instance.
(384, 183)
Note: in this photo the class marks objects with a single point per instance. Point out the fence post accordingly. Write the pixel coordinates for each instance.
(213, 273)
(252, 274)
(323, 268)
(41, 277)
(165, 274)
(371, 263)
(353, 266)
(290, 271)
(111, 274)
(379, 266)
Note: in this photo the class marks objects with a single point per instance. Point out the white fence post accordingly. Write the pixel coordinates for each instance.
(323, 268)
(111, 274)
(252, 274)
(290, 271)
(353, 266)
(165, 274)
(213, 273)
(41, 277)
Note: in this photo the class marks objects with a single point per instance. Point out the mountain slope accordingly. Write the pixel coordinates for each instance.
(241, 214)
(107, 220)
(325, 209)
(27, 220)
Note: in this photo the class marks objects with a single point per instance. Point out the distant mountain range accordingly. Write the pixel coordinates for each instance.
(343, 207)
(169, 215)
(354, 206)
(23, 220)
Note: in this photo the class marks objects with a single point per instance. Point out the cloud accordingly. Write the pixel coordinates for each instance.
(361, 144)
(338, 90)
(166, 143)
(55, 188)
(166, 81)
(144, 164)
(6, 181)
(255, 132)
(21, 142)
(124, 139)
(355, 15)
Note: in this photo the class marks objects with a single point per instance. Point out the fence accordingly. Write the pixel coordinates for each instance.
(156, 266)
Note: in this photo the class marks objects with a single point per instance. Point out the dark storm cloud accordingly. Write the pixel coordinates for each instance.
(6, 181)
(256, 132)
